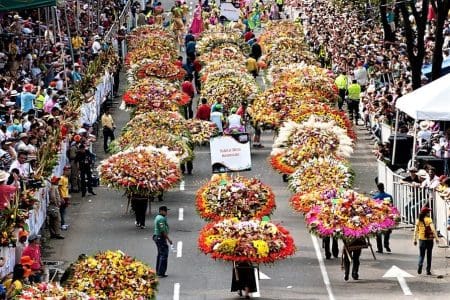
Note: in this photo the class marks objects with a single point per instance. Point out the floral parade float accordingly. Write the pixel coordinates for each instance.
(349, 215)
(300, 142)
(50, 290)
(141, 170)
(169, 121)
(227, 196)
(113, 275)
(255, 241)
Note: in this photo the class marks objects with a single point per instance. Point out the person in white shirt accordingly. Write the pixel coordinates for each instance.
(360, 74)
(96, 46)
(217, 117)
(21, 164)
(234, 120)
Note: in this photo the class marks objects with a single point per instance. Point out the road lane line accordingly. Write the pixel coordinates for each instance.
(323, 270)
(182, 185)
(180, 214)
(176, 291)
(179, 248)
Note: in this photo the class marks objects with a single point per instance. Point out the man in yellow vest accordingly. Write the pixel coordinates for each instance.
(341, 82)
(280, 5)
(354, 91)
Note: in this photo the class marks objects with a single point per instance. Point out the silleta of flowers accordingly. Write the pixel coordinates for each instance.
(163, 68)
(225, 197)
(349, 215)
(201, 131)
(251, 241)
(320, 173)
(51, 291)
(114, 275)
(169, 121)
(141, 170)
(297, 143)
(220, 38)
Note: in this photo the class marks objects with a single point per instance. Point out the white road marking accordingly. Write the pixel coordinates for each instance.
(396, 272)
(179, 248)
(180, 214)
(182, 185)
(256, 294)
(176, 291)
(263, 276)
(323, 270)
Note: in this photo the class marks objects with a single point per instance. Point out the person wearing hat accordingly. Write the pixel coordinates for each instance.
(425, 232)
(6, 191)
(76, 73)
(7, 153)
(22, 145)
(27, 97)
(26, 262)
(354, 95)
(161, 237)
(21, 244)
(96, 46)
(217, 117)
(412, 178)
(22, 164)
(341, 82)
(108, 128)
(53, 209)
(424, 134)
(33, 250)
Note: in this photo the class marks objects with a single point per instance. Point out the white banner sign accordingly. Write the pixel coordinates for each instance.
(230, 154)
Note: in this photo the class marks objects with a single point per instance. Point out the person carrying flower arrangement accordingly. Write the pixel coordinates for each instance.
(351, 253)
(243, 279)
(383, 196)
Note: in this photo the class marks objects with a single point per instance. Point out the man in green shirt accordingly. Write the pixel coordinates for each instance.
(161, 237)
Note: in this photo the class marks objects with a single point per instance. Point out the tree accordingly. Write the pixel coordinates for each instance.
(441, 8)
(389, 36)
(415, 45)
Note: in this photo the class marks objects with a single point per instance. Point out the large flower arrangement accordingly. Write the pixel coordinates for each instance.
(286, 50)
(274, 30)
(163, 68)
(230, 86)
(216, 39)
(51, 291)
(320, 173)
(157, 138)
(145, 32)
(201, 131)
(169, 121)
(115, 276)
(302, 202)
(229, 53)
(149, 94)
(323, 113)
(225, 197)
(252, 241)
(350, 215)
(141, 170)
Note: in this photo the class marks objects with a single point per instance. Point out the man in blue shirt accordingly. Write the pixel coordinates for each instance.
(27, 97)
(383, 196)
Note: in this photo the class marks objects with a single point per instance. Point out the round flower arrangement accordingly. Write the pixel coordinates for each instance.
(225, 197)
(150, 94)
(201, 131)
(230, 86)
(287, 50)
(143, 170)
(349, 215)
(251, 241)
(145, 32)
(163, 68)
(218, 66)
(274, 30)
(296, 143)
(216, 39)
(169, 121)
(322, 113)
(153, 49)
(228, 52)
(50, 291)
(113, 275)
(320, 173)
(157, 138)
(302, 202)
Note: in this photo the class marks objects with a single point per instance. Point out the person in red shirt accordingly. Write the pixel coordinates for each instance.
(7, 191)
(248, 36)
(188, 88)
(203, 111)
(33, 250)
(179, 62)
(197, 69)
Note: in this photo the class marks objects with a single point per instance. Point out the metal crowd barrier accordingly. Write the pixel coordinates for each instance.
(410, 199)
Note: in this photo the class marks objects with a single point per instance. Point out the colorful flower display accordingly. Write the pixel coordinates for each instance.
(141, 170)
(225, 197)
(321, 173)
(286, 50)
(51, 291)
(349, 215)
(141, 33)
(113, 275)
(223, 38)
(251, 241)
(163, 68)
(201, 131)
(169, 121)
(297, 143)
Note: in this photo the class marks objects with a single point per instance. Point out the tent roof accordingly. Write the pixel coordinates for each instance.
(430, 102)
(9, 5)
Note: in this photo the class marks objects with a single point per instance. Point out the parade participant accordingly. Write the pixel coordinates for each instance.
(71, 155)
(425, 232)
(352, 252)
(108, 128)
(234, 121)
(217, 117)
(84, 159)
(203, 111)
(197, 21)
(341, 83)
(161, 237)
(188, 88)
(53, 209)
(33, 250)
(334, 247)
(243, 279)
(252, 66)
(65, 196)
(139, 203)
(177, 20)
(354, 94)
(383, 196)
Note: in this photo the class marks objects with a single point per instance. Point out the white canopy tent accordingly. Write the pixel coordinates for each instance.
(430, 102)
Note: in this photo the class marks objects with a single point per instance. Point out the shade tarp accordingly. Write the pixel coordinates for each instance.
(9, 5)
(430, 102)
